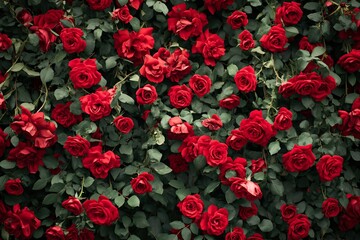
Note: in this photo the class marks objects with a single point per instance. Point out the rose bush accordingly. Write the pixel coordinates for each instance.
(174, 119)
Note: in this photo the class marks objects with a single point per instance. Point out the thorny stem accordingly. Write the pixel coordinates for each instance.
(46, 95)
(82, 187)
(323, 191)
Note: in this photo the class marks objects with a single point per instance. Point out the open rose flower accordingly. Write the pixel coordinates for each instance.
(84, 73)
(62, 115)
(200, 84)
(246, 41)
(153, 69)
(299, 159)
(237, 166)
(350, 62)
(214, 221)
(77, 146)
(180, 96)
(299, 227)
(288, 212)
(191, 206)
(237, 233)
(216, 153)
(102, 211)
(99, 5)
(54, 233)
(5, 42)
(146, 95)
(283, 120)
(14, 187)
(245, 79)
(243, 188)
(213, 124)
(275, 40)
(289, 13)
(230, 102)
(331, 207)
(179, 130)
(97, 104)
(122, 14)
(329, 167)
(215, 5)
(247, 212)
(72, 40)
(73, 205)
(237, 19)
(123, 124)
(141, 183)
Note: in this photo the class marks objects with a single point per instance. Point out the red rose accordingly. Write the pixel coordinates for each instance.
(178, 65)
(258, 165)
(2, 102)
(5, 42)
(256, 129)
(215, 5)
(153, 69)
(86, 234)
(84, 74)
(122, 14)
(255, 236)
(3, 212)
(237, 19)
(186, 23)
(354, 123)
(304, 44)
(216, 153)
(25, 17)
(179, 130)
(14, 187)
(97, 104)
(2, 77)
(55, 233)
(203, 144)
(178, 163)
(246, 40)
(134, 45)
(247, 212)
(211, 46)
(135, 3)
(214, 221)
(356, 104)
(72, 233)
(213, 124)
(299, 159)
(350, 62)
(3, 142)
(245, 79)
(243, 188)
(62, 115)
(77, 146)
(347, 222)
(283, 120)
(99, 5)
(46, 37)
(288, 13)
(288, 212)
(329, 167)
(101, 212)
(236, 234)
(72, 41)
(200, 84)
(299, 227)
(180, 96)
(275, 40)
(230, 102)
(140, 184)
(191, 206)
(73, 205)
(353, 207)
(123, 124)
(27, 156)
(188, 148)
(21, 222)
(236, 140)
(49, 20)
(146, 94)
(331, 208)
(237, 165)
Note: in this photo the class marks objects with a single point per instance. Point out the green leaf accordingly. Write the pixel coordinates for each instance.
(277, 187)
(17, 67)
(161, 168)
(88, 181)
(161, 7)
(312, 6)
(316, 17)
(308, 102)
(50, 199)
(5, 164)
(305, 139)
(230, 196)
(110, 62)
(119, 201)
(134, 237)
(254, 3)
(254, 220)
(177, 224)
(133, 201)
(140, 220)
(135, 24)
(122, 2)
(232, 69)
(350, 98)
(211, 187)
(266, 225)
(124, 98)
(40, 184)
(50, 162)
(154, 155)
(186, 234)
(61, 93)
(46, 74)
(30, 72)
(318, 51)
(355, 155)
(274, 147)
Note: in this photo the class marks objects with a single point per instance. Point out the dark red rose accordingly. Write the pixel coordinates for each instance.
(180, 96)
(289, 13)
(141, 184)
(178, 65)
(62, 115)
(215, 5)
(86, 234)
(77, 146)
(72, 40)
(123, 124)
(356, 104)
(216, 153)
(230, 102)
(84, 74)
(210, 46)
(258, 165)
(5, 42)
(256, 129)
(237, 165)
(353, 207)
(299, 227)
(245, 79)
(299, 159)
(243, 188)
(97, 104)
(46, 37)
(288, 212)
(25, 17)
(72, 233)
(203, 144)
(179, 130)
(286, 89)
(146, 95)
(153, 69)
(247, 212)
(14, 187)
(73, 205)
(329, 167)
(214, 221)
(237, 19)
(4, 142)
(347, 222)
(21, 222)
(350, 62)
(55, 233)
(100, 163)
(213, 124)
(353, 123)
(283, 120)
(236, 140)
(186, 23)
(275, 40)
(200, 84)
(50, 20)
(2, 102)
(101, 212)
(122, 14)
(3, 212)
(236, 234)
(255, 236)
(163, 53)
(2, 77)
(246, 41)
(188, 148)
(99, 5)
(135, 3)
(178, 163)
(191, 206)
(304, 44)
(331, 207)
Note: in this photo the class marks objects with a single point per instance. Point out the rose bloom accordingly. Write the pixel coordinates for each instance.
(329, 167)
(331, 207)
(73, 205)
(178, 65)
(123, 124)
(237, 19)
(177, 163)
(347, 222)
(146, 95)
(84, 73)
(200, 84)
(153, 69)
(353, 207)
(82, 234)
(288, 212)
(243, 188)
(101, 212)
(211, 46)
(299, 159)
(213, 124)
(283, 120)
(14, 187)
(55, 233)
(255, 236)
(258, 165)
(3, 212)
(188, 148)
(230, 102)
(4, 142)
(247, 212)
(99, 5)
(179, 130)
(77, 146)
(2, 77)
(122, 14)
(236, 140)
(50, 19)
(246, 41)
(350, 62)
(216, 153)
(289, 13)
(72, 40)
(186, 23)
(25, 17)
(141, 184)
(237, 165)
(214, 221)
(215, 5)
(275, 40)
(5, 42)
(191, 206)
(299, 227)
(62, 115)
(236, 234)
(245, 79)
(180, 96)
(46, 37)
(97, 104)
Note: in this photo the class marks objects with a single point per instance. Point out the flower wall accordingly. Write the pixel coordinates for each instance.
(155, 119)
